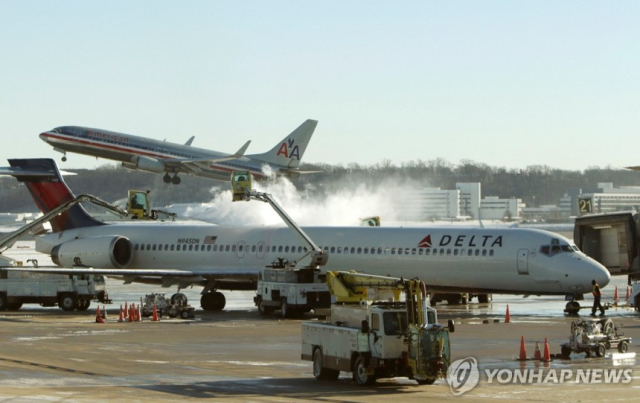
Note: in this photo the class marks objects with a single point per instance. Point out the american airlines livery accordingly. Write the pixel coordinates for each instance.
(144, 154)
(482, 260)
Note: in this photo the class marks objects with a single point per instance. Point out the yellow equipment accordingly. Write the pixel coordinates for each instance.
(240, 184)
(138, 204)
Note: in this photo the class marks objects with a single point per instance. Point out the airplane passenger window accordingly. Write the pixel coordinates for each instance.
(393, 251)
(359, 251)
(386, 251)
(365, 251)
(491, 252)
(333, 249)
(326, 249)
(190, 248)
(426, 251)
(208, 248)
(441, 251)
(171, 247)
(226, 248)
(286, 249)
(470, 252)
(260, 248)
(448, 252)
(455, 252)
(280, 248)
(166, 247)
(484, 252)
(299, 249)
(477, 252)
(233, 248)
(135, 247)
(215, 248)
(253, 248)
(346, 249)
(413, 251)
(406, 251)
(353, 250)
(380, 251)
(201, 248)
(339, 250)
(399, 251)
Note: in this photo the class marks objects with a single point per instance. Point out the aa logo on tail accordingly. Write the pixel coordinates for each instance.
(290, 151)
(426, 242)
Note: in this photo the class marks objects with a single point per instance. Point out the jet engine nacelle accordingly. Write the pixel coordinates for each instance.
(106, 252)
(145, 164)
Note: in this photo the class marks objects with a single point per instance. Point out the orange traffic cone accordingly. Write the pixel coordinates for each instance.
(154, 317)
(126, 310)
(131, 313)
(523, 351)
(536, 354)
(547, 354)
(121, 316)
(139, 313)
(507, 316)
(98, 316)
(615, 294)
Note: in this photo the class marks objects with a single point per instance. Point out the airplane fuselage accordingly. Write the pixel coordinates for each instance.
(514, 261)
(128, 148)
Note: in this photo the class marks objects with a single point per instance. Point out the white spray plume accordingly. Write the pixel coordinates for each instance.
(344, 207)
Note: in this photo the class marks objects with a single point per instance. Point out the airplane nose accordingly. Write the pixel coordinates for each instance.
(601, 275)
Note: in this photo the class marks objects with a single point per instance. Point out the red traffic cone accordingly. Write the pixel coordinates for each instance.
(547, 354)
(615, 294)
(507, 316)
(126, 310)
(154, 317)
(523, 350)
(121, 316)
(536, 354)
(98, 316)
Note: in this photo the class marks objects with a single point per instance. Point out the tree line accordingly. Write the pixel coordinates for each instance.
(535, 185)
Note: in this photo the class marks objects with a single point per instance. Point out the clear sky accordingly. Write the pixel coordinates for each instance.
(506, 83)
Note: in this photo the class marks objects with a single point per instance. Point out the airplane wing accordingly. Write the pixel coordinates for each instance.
(196, 165)
(222, 277)
(633, 168)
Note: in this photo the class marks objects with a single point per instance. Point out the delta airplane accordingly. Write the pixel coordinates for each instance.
(144, 154)
(481, 260)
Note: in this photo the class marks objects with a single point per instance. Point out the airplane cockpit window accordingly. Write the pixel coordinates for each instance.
(556, 248)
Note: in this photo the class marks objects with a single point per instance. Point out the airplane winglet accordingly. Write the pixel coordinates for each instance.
(188, 143)
(242, 150)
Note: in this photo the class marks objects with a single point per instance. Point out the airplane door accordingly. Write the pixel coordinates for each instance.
(523, 261)
(261, 250)
(241, 249)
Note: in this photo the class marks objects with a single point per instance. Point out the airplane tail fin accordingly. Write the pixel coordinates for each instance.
(288, 152)
(49, 191)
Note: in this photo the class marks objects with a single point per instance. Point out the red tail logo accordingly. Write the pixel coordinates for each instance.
(426, 242)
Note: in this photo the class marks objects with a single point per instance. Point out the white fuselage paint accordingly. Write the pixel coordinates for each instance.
(506, 261)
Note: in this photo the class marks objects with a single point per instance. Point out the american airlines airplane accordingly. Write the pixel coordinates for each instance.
(144, 154)
(481, 260)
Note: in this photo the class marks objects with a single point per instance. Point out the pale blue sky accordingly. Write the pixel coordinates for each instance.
(506, 83)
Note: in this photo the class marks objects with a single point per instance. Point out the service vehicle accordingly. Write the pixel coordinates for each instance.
(175, 307)
(594, 336)
(69, 292)
(373, 333)
(291, 290)
(139, 207)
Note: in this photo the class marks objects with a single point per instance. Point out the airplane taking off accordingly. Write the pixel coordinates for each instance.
(144, 154)
(481, 260)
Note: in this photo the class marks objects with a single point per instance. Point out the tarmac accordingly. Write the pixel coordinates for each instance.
(237, 355)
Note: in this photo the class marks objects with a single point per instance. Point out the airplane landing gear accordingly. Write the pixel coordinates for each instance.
(64, 158)
(175, 180)
(166, 178)
(213, 301)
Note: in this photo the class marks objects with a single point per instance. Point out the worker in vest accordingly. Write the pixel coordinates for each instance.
(596, 299)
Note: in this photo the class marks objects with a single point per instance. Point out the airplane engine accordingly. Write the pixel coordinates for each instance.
(106, 252)
(145, 164)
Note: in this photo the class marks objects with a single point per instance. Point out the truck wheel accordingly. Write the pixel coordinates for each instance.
(360, 375)
(3, 302)
(320, 372)
(67, 302)
(427, 381)
(601, 350)
(623, 347)
(284, 308)
(263, 310)
(565, 351)
(14, 306)
(184, 314)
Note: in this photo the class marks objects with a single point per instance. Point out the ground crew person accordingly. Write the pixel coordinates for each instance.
(596, 299)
